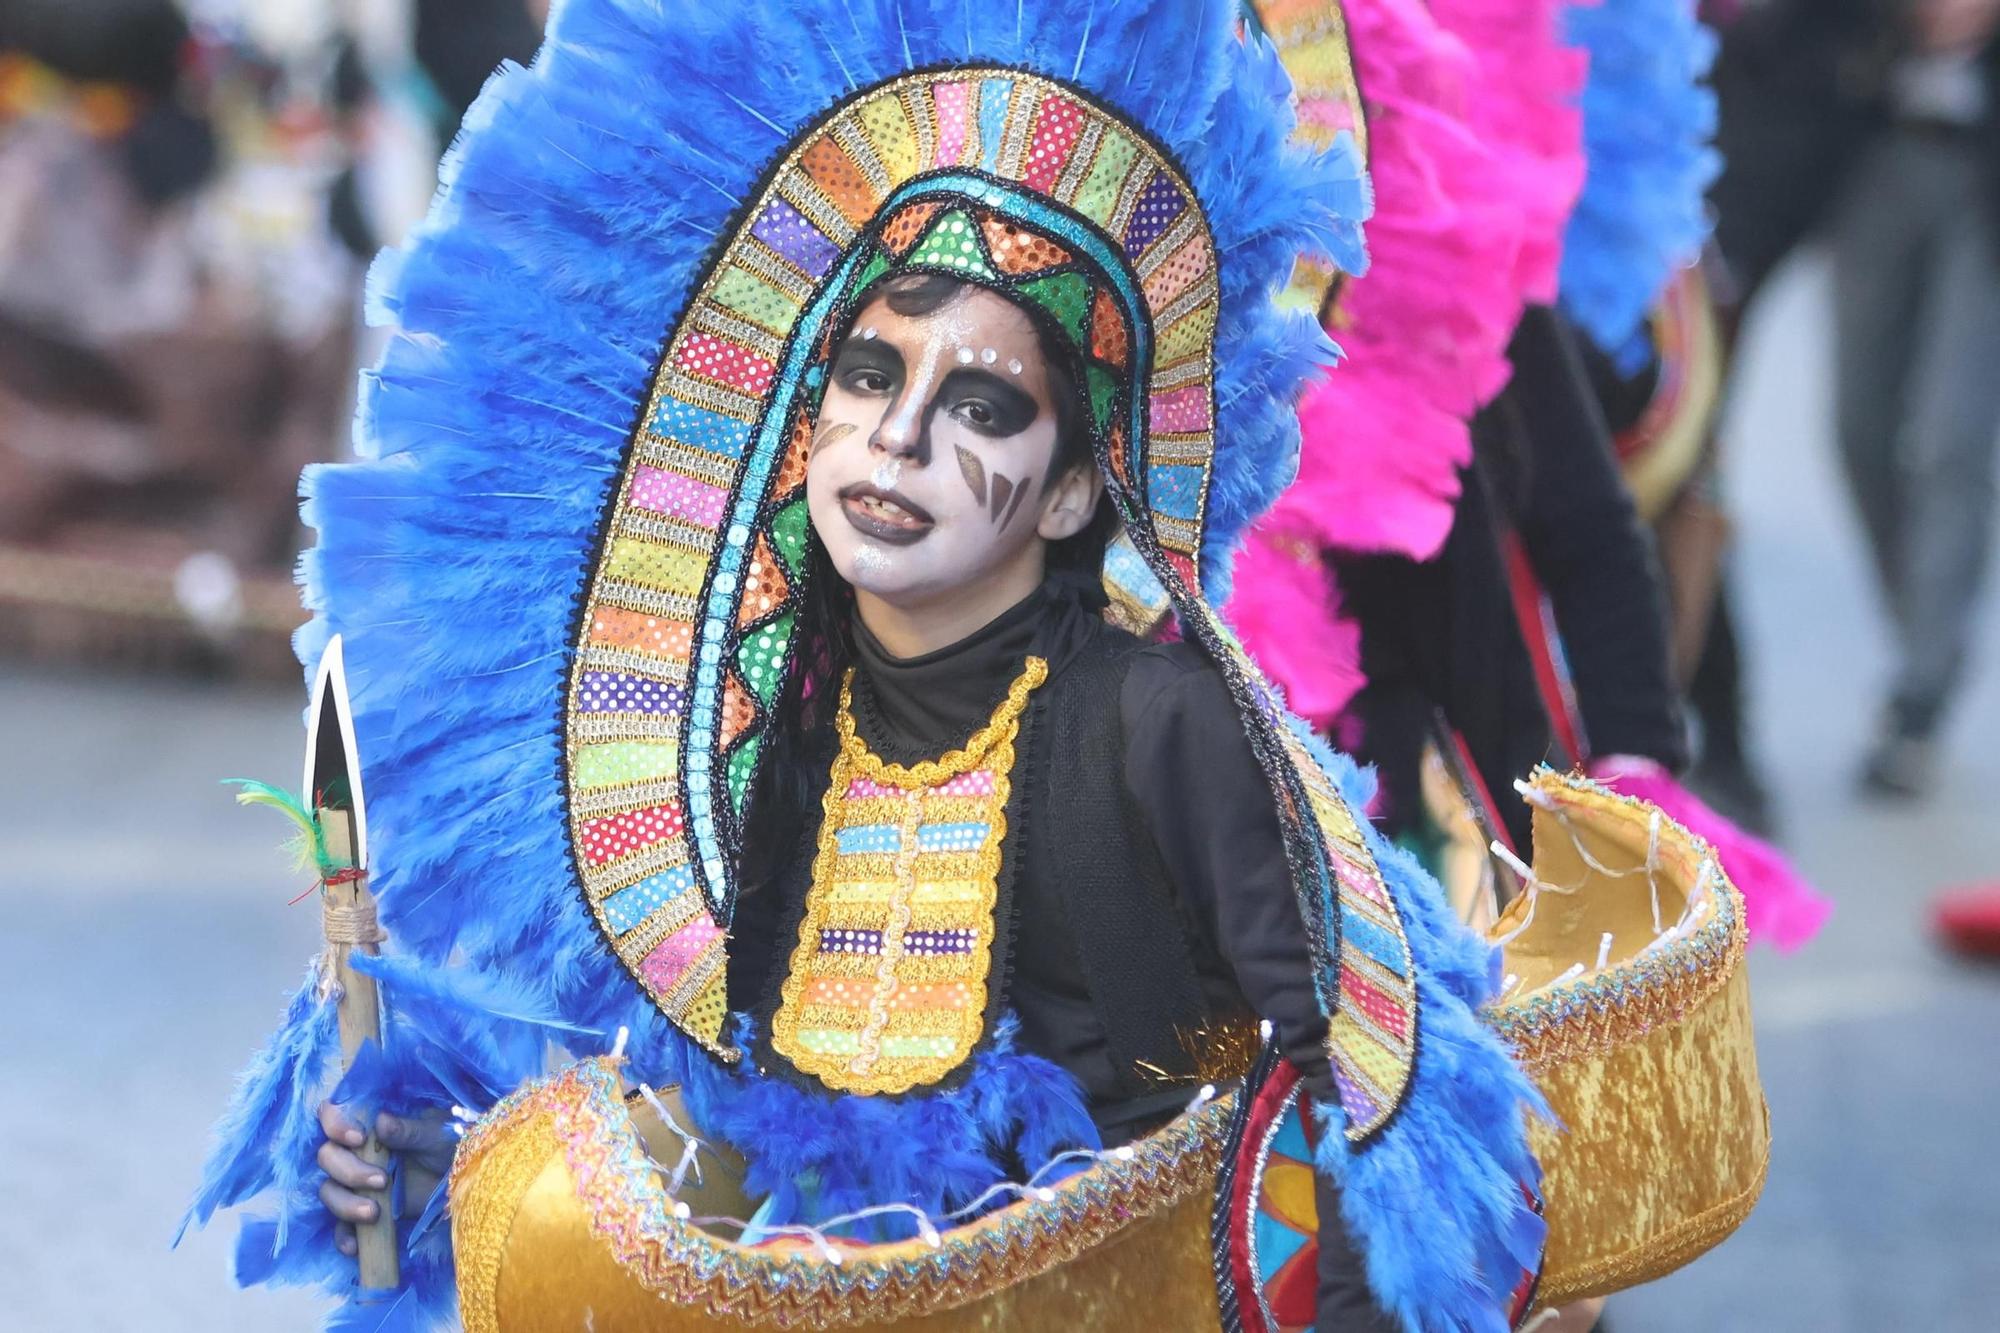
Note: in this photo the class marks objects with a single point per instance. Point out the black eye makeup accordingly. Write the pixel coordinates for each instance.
(868, 366)
(987, 403)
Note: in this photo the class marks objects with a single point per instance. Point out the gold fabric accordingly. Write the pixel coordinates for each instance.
(559, 1275)
(560, 1219)
(560, 1222)
(901, 1012)
(1648, 1063)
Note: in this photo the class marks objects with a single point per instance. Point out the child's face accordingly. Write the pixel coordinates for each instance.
(928, 476)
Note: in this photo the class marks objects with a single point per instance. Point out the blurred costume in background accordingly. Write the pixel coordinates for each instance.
(1886, 117)
(168, 361)
(579, 790)
(1465, 604)
(392, 90)
(1510, 611)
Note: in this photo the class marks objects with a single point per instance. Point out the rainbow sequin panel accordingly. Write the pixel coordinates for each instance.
(1311, 39)
(888, 983)
(686, 630)
(1372, 1029)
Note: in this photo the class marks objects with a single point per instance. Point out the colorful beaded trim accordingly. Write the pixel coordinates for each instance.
(888, 982)
(685, 633)
(1311, 40)
(1372, 1020)
(787, 1284)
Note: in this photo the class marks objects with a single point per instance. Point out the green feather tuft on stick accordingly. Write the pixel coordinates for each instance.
(307, 844)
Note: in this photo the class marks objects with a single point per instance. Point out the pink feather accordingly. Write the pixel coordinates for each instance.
(1476, 154)
(1293, 626)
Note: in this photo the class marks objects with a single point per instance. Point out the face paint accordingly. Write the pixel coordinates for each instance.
(921, 390)
(830, 432)
(1005, 506)
(973, 471)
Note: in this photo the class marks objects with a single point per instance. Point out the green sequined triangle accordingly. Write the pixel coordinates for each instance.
(953, 243)
(870, 271)
(742, 767)
(1067, 297)
(788, 533)
(759, 658)
(1103, 395)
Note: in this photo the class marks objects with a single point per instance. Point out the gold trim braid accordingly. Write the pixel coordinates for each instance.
(887, 986)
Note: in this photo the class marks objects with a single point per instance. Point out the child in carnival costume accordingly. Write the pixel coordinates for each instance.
(754, 691)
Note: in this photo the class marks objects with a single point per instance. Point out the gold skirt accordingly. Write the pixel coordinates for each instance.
(560, 1220)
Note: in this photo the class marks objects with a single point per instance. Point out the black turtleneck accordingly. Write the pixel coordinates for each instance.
(915, 708)
(1174, 782)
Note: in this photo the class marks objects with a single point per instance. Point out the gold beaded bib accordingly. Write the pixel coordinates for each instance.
(887, 987)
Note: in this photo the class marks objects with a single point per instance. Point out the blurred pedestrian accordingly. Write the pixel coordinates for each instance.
(1917, 325)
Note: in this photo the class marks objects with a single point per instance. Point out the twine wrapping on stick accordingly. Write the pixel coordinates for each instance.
(351, 923)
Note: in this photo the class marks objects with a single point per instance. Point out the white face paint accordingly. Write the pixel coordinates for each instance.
(927, 477)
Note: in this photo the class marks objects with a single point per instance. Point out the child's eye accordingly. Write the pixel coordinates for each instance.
(866, 379)
(976, 412)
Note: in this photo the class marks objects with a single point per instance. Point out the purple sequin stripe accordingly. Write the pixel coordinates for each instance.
(613, 692)
(1359, 1106)
(786, 231)
(938, 941)
(850, 941)
(1159, 204)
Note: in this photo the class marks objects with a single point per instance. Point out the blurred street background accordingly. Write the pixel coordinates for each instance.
(147, 944)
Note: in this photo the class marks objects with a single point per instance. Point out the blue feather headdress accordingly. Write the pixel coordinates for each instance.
(1648, 127)
(706, 173)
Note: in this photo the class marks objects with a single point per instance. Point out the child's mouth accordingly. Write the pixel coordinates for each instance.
(887, 516)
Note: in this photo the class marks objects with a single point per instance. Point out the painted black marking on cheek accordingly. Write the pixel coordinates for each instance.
(973, 471)
(1003, 486)
(1014, 506)
(830, 432)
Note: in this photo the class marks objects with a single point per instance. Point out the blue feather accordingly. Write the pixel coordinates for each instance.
(1648, 126)
(280, 1084)
(1457, 1144)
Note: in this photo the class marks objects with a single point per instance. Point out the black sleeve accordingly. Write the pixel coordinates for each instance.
(1591, 554)
(1206, 802)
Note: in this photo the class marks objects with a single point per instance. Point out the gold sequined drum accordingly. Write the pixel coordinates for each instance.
(560, 1220)
(1627, 1000)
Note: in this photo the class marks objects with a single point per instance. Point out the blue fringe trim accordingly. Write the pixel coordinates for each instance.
(1648, 123)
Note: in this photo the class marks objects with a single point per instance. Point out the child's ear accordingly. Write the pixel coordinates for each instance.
(1070, 503)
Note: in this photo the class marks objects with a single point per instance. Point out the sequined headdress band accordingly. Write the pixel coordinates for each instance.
(1028, 186)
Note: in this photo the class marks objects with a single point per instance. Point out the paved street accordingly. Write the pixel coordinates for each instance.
(147, 947)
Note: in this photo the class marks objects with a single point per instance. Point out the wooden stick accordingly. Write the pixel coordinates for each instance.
(349, 912)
